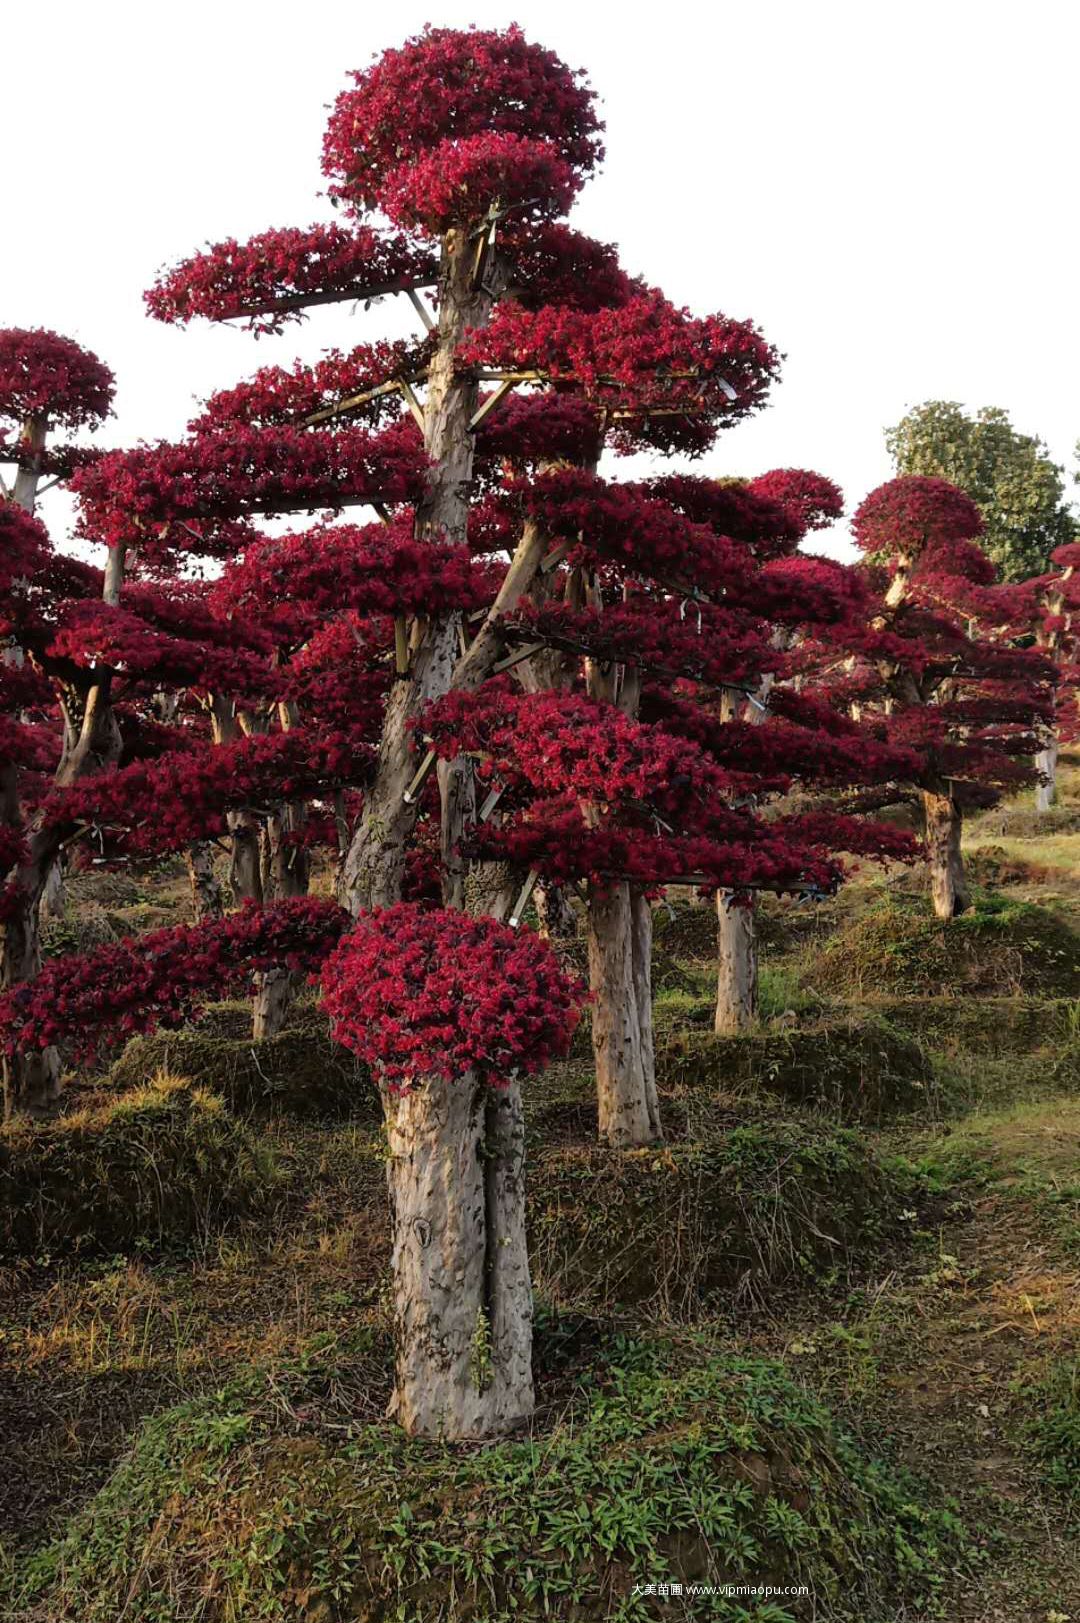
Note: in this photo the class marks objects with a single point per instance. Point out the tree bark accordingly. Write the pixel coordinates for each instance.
(34, 432)
(944, 827)
(628, 1107)
(1046, 764)
(374, 868)
(462, 1295)
(207, 898)
(555, 914)
(736, 981)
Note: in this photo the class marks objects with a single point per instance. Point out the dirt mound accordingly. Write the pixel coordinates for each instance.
(164, 1164)
(243, 1504)
(858, 1067)
(1001, 947)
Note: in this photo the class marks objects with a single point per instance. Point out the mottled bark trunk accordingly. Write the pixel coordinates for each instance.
(944, 827)
(98, 743)
(1046, 766)
(736, 980)
(27, 479)
(32, 1078)
(556, 919)
(286, 872)
(207, 897)
(374, 868)
(53, 897)
(628, 1107)
(462, 1295)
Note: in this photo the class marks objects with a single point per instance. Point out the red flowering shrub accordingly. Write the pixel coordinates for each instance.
(279, 397)
(419, 994)
(24, 550)
(40, 372)
(90, 1000)
(375, 569)
(642, 358)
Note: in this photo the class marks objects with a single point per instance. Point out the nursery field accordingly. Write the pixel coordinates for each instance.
(827, 1336)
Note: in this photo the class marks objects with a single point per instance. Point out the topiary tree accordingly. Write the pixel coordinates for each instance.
(46, 382)
(1045, 610)
(451, 1012)
(968, 703)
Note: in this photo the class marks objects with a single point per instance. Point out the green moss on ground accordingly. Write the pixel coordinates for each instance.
(1001, 947)
(740, 1208)
(986, 1025)
(858, 1067)
(162, 1165)
(720, 1470)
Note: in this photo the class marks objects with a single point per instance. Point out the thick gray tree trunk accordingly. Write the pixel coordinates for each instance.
(34, 433)
(556, 919)
(462, 1294)
(374, 868)
(207, 896)
(944, 828)
(1046, 764)
(736, 979)
(620, 938)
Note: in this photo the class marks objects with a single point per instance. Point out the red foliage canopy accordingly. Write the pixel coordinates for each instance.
(276, 275)
(186, 496)
(420, 994)
(444, 89)
(161, 978)
(910, 515)
(40, 372)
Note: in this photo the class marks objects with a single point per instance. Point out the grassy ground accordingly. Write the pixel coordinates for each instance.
(858, 1270)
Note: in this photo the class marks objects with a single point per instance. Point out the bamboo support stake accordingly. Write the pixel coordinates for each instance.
(531, 880)
(401, 645)
(490, 802)
(490, 403)
(421, 308)
(413, 791)
(525, 652)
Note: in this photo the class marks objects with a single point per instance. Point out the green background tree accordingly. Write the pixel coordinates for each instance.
(1011, 476)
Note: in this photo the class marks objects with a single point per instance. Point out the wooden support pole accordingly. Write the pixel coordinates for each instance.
(412, 402)
(490, 802)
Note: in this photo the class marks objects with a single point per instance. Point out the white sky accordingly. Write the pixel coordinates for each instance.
(888, 190)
